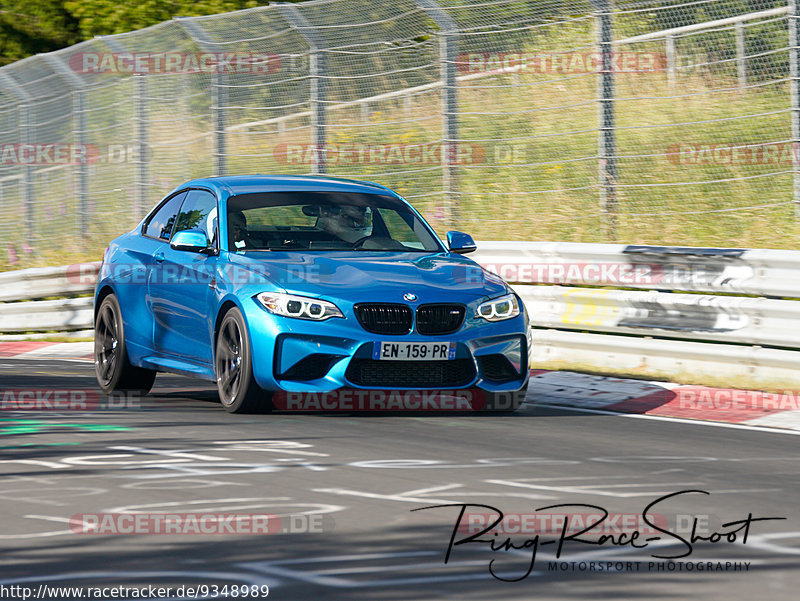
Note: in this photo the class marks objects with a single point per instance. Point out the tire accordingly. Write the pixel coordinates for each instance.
(233, 368)
(113, 369)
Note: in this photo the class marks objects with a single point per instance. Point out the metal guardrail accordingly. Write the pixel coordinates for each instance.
(734, 319)
(68, 314)
(624, 308)
(52, 315)
(43, 282)
(725, 364)
(768, 273)
(747, 295)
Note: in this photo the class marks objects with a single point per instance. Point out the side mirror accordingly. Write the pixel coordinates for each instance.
(191, 240)
(460, 243)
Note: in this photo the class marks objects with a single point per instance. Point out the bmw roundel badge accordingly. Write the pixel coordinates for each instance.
(409, 297)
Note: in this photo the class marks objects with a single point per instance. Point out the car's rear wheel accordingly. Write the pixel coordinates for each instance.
(114, 370)
(233, 367)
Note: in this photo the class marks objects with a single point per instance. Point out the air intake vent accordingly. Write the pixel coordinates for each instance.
(497, 368)
(312, 367)
(411, 374)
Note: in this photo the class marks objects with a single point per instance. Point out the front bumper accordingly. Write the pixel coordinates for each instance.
(294, 355)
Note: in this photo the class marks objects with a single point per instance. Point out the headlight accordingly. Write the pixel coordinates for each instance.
(300, 307)
(499, 309)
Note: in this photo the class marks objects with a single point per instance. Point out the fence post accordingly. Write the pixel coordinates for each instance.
(79, 132)
(671, 58)
(26, 137)
(316, 72)
(741, 54)
(448, 55)
(606, 143)
(140, 135)
(794, 74)
(140, 119)
(219, 98)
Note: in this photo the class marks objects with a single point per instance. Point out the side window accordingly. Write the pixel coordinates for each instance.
(198, 212)
(160, 224)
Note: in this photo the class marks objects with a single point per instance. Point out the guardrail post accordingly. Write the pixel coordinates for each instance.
(794, 74)
(79, 133)
(219, 98)
(606, 147)
(448, 55)
(316, 72)
(26, 137)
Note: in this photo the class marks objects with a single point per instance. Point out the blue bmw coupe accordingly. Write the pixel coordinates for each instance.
(300, 293)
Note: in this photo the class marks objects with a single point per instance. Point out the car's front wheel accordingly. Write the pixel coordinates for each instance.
(114, 370)
(238, 390)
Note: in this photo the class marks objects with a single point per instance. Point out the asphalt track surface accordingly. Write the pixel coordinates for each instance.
(352, 480)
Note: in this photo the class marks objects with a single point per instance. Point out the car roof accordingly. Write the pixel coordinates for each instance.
(245, 184)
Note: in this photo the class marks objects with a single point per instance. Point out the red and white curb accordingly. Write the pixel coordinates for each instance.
(575, 390)
(37, 349)
(665, 399)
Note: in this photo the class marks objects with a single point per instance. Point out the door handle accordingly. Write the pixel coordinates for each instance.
(159, 256)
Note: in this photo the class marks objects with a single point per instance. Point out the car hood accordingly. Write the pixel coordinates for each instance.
(376, 276)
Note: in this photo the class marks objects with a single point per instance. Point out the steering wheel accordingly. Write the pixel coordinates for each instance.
(360, 242)
(391, 243)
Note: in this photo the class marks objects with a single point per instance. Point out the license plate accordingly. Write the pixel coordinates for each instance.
(414, 351)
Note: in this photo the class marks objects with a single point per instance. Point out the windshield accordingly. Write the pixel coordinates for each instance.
(325, 221)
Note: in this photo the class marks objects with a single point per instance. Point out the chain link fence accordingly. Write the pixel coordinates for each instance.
(638, 121)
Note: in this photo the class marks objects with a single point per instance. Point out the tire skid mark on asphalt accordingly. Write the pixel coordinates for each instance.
(284, 569)
(303, 570)
(419, 496)
(594, 490)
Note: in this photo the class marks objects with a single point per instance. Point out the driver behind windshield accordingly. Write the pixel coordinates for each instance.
(239, 237)
(347, 222)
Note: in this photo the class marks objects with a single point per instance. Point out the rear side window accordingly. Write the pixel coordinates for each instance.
(198, 212)
(161, 223)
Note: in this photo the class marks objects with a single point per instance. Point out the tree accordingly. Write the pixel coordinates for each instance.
(32, 26)
(103, 17)
(29, 27)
